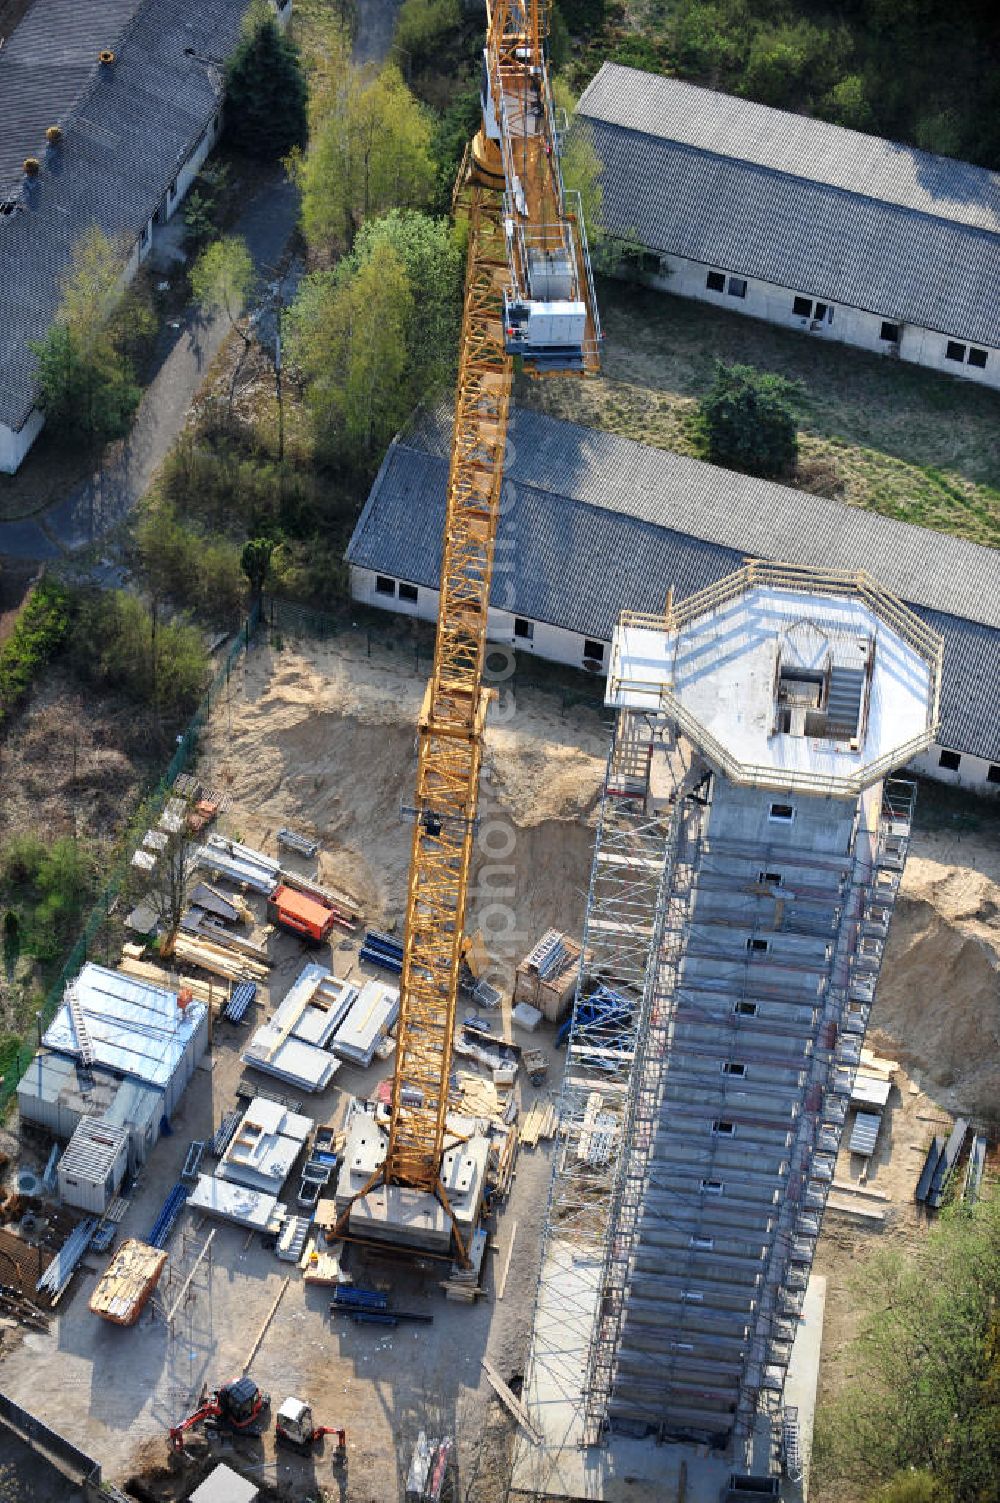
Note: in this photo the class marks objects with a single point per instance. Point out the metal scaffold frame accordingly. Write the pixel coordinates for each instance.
(601, 1083)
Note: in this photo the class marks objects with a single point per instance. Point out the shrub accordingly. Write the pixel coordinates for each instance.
(41, 630)
(748, 420)
(422, 26)
(120, 644)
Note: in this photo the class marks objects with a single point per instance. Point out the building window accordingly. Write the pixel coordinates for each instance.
(821, 311)
(594, 650)
(757, 946)
(802, 307)
(172, 190)
(703, 1244)
(734, 1067)
(745, 1009)
(524, 629)
(890, 333)
(772, 879)
(409, 592)
(782, 813)
(723, 1129)
(384, 585)
(950, 761)
(712, 1186)
(978, 358)
(715, 282)
(737, 287)
(955, 351)
(993, 773)
(144, 237)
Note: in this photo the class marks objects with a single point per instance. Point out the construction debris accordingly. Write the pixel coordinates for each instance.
(127, 1283)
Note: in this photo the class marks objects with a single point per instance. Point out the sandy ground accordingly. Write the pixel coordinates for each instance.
(321, 736)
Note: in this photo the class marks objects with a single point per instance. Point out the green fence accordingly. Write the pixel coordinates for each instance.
(183, 758)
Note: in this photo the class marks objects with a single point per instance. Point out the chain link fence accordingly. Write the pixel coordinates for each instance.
(147, 814)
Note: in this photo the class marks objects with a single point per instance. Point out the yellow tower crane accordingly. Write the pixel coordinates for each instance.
(528, 292)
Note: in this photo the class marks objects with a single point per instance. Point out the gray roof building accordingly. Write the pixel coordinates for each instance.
(593, 524)
(798, 203)
(128, 126)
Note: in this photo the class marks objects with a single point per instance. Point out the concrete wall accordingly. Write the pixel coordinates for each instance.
(848, 325)
(14, 444)
(972, 772)
(558, 645)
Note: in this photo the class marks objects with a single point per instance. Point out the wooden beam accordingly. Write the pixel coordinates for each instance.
(186, 1284)
(506, 1262)
(251, 1354)
(511, 1402)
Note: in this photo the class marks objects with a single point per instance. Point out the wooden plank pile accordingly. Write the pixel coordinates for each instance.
(504, 1151)
(542, 1121)
(127, 1283)
(211, 955)
(201, 991)
(321, 1265)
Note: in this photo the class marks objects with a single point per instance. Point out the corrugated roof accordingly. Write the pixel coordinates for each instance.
(796, 144)
(799, 203)
(593, 524)
(134, 1027)
(130, 129)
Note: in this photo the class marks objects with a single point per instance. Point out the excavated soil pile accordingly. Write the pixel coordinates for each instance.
(322, 737)
(937, 1009)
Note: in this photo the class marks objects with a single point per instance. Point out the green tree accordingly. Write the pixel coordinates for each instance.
(923, 1401)
(255, 561)
(369, 151)
(221, 281)
(432, 257)
(422, 26)
(348, 336)
(748, 420)
(265, 89)
(111, 647)
(380, 333)
(87, 386)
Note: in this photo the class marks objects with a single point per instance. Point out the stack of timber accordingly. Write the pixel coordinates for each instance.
(127, 1282)
(541, 1122)
(463, 1284)
(210, 955)
(503, 1157)
(201, 991)
(546, 978)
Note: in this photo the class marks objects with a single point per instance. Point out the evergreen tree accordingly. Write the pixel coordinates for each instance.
(265, 91)
(748, 420)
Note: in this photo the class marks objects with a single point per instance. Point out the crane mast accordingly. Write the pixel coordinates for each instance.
(528, 292)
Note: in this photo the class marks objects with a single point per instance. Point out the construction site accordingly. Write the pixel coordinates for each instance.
(491, 1105)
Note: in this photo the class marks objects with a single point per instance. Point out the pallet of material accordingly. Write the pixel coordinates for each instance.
(239, 864)
(541, 1122)
(218, 959)
(463, 1284)
(127, 1283)
(551, 990)
(322, 1266)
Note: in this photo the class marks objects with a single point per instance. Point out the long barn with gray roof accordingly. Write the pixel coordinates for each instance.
(593, 524)
(805, 224)
(134, 130)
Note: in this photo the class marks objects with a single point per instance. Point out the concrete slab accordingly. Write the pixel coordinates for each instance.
(802, 1378)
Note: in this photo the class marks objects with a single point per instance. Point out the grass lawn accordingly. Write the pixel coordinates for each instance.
(874, 432)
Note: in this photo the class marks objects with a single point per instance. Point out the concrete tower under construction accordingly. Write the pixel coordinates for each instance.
(749, 852)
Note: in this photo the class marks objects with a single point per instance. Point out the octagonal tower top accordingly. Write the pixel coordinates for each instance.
(787, 677)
